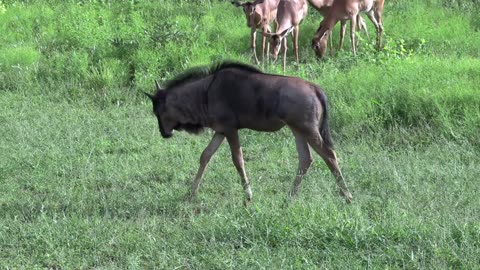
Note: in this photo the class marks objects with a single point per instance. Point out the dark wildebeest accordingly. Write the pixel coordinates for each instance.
(232, 96)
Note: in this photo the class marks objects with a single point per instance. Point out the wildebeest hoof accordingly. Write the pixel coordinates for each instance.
(347, 195)
(190, 197)
(247, 202)
(286, 202)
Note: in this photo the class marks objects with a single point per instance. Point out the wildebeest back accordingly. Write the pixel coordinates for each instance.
(259, 101)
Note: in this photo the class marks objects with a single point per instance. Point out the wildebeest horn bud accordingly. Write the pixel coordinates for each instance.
(148, 95)
(158, 85)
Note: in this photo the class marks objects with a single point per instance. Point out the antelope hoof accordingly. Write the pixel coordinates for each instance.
(255, 59)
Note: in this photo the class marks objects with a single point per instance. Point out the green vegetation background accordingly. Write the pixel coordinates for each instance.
(87, 182)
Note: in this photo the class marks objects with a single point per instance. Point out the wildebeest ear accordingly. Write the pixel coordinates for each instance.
(236, 3)
(158, 86)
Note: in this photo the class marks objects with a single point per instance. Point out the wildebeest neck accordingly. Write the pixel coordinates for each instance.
(189, 104)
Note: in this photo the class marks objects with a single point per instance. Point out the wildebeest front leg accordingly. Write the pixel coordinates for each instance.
(205, 158)
(330, 158)
(237, 157)
(304, 162)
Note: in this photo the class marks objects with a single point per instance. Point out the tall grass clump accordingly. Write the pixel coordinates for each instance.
(415, 94)
(17, 66)
(450, 27)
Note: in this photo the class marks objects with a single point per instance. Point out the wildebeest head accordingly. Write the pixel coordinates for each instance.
(166, 119)
(319, 41)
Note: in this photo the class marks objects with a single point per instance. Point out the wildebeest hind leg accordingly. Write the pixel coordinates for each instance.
(204, 159)
(304, 162)
(237, 157)
(330, 158)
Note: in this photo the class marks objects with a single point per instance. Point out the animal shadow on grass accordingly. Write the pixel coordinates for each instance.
(162, 183)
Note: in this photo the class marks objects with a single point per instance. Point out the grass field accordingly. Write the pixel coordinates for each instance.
(86, 181)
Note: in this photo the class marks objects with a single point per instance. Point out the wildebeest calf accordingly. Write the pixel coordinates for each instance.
(231, 96)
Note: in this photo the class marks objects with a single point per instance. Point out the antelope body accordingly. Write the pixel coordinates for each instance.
(259, 15)
(342, 10)
(323, 7)
(290, 14)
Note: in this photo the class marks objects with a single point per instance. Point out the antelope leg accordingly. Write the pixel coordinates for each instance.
(284, 53)
(253, 44)
(378, 28)
(296, 32)
(353, 25)
(342, 33)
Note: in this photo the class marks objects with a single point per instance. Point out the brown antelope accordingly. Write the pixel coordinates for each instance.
(259, 15)
(290, 14)
(348, 10)
(232, 96)
(323, 7)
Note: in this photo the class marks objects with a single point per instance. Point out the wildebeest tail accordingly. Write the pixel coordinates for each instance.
(324, 127)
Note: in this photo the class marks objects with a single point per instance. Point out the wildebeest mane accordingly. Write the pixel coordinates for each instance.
(203, 71)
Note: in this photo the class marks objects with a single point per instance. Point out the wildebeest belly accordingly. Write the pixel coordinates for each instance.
(261, 124)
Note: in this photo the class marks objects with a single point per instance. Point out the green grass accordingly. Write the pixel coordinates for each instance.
(84, 187)
(87, 181)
